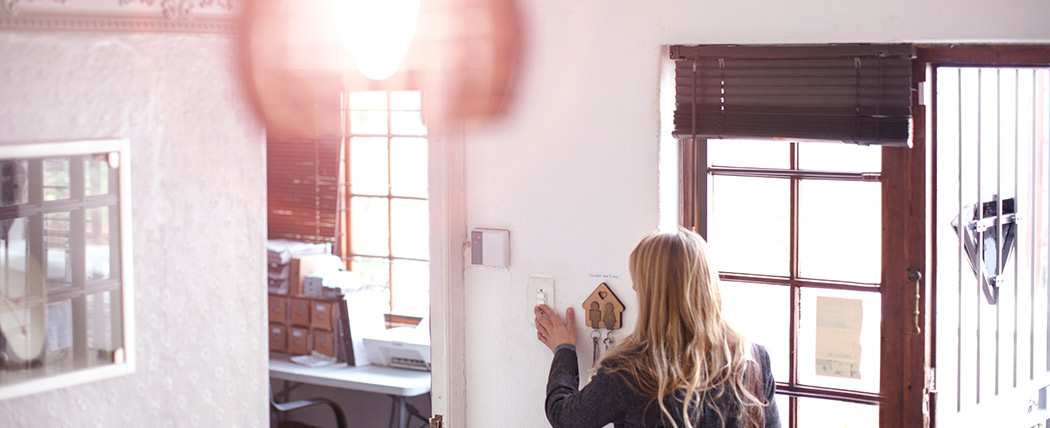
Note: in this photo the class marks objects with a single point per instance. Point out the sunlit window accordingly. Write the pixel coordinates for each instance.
(386, 211)
(795, 230)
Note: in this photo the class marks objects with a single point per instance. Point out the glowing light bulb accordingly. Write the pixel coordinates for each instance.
(378, 33)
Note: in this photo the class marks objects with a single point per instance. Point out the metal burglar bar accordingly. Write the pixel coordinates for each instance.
(991, 233)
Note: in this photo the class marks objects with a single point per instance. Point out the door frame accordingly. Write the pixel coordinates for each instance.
(448, 240)
(917, 403)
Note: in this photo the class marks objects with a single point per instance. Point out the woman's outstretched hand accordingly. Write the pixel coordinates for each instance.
(551, 331)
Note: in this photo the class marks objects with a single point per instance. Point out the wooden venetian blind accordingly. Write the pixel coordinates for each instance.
(852, 93)
(303, 161)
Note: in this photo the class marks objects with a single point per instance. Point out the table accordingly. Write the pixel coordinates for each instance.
(393, 382)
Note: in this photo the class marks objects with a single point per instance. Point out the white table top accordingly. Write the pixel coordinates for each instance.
(377, 379)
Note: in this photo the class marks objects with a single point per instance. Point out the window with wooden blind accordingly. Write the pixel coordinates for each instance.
(854, 93)
(798, 221)
(351, 169)
(962, 286)
(303, 160)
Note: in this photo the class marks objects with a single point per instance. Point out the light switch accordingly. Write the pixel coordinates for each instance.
(539, 291)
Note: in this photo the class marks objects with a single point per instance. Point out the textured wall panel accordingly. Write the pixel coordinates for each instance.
(198, 183)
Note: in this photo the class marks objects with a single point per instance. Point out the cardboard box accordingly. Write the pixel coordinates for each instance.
(299, 312)
(278, 309)
(321, 315)
(278, 337)
(298, 341)
(324, 342)
(309, 265)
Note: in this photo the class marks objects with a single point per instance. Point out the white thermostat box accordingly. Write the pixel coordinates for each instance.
(490, 247)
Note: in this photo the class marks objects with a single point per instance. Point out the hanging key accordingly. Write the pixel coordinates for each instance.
(595, 335)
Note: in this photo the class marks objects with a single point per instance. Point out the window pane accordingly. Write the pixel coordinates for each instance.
(96, 232)
(14, 248)
(100, 324)
(838, 342)
(840, 230)
(817, 413)
(406, 100)
(56, 179)
(59, 356)
(368, 122)
(13, 182)
(368, 100)
(369, 218)
(839, 157)
(408, 173)
(749, 225)
(373, 272)
(410, 228)
(368, 166)
(752, 153)
(56, 241)
(762, 313)
(783, 406)
(96, 175)
(411, 288)
(407, 123)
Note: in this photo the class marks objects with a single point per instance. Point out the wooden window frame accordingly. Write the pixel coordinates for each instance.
(908, 187)
(694, 155)
(345, 235)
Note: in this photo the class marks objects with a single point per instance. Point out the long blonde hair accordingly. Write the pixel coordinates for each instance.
(681, 342)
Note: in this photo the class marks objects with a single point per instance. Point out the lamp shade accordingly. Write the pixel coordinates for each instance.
(464, 54)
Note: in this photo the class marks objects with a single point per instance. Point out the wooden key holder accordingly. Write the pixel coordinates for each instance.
(603, 309)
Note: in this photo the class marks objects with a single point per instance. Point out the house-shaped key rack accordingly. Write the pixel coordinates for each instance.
(603, 309)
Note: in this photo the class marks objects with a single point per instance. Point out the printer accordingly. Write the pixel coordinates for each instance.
(402, 347)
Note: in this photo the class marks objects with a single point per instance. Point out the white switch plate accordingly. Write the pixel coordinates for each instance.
(540, 290)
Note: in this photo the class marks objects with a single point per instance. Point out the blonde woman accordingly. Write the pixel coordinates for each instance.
(681, 351)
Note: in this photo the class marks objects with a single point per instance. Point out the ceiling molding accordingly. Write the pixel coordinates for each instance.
(181, 16)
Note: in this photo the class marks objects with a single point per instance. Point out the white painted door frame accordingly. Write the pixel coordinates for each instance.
(448, 239)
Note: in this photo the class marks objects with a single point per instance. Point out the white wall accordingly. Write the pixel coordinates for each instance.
(199, 223)
(572, 172)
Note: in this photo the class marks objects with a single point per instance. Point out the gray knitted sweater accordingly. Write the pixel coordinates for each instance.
(609, 399)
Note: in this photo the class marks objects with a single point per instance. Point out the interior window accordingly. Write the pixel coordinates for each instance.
(385, 209)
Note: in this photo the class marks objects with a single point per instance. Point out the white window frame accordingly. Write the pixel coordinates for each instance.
(124, 358)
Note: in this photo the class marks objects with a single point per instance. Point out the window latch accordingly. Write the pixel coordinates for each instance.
(915, 275)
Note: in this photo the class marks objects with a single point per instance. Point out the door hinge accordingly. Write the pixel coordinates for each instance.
(435, 422)
(929, 398)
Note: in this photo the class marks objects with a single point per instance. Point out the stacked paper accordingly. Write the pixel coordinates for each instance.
(279, 254)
